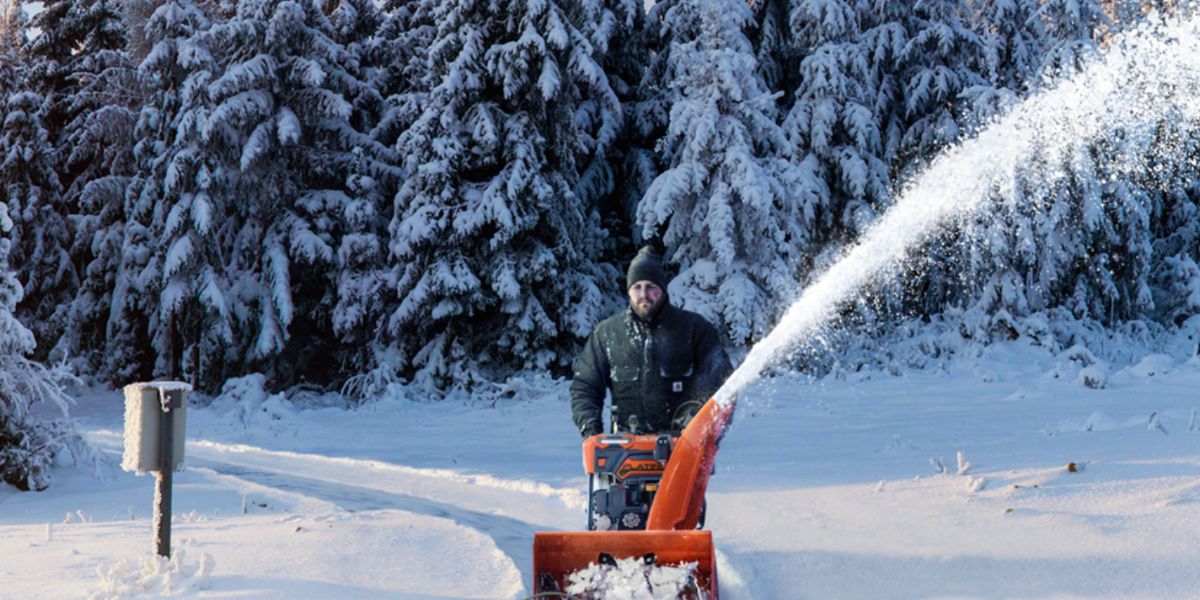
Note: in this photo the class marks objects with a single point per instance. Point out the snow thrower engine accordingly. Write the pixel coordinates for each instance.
(623, 475)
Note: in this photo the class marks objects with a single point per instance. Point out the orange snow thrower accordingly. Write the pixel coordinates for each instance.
(641, 472)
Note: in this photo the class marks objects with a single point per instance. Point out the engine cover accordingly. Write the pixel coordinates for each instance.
(624, 472)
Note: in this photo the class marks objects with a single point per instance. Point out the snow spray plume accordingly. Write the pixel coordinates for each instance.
(1147, 80)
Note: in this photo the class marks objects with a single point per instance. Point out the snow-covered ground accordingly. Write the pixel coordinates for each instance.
(946, 483)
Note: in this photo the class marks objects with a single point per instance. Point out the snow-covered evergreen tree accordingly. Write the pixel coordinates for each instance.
(493, 250)
(775, 49)
(636, 64)
(1176, 278)
(244, 216)
(1074, 239)
(397, 59)
(621, 164)
(942, 57)
(833, 125)
(171, 78)
(361, 279)
(75, 66)
(1082, 245)
(357, 25)
(386, 43)
(190, 224)
(97, 154)
(31, 189)
(885, 35)
(1011, 36)
(1072, 29)
(725, 208)
(341, 161)
(96, 100)
(28, 446)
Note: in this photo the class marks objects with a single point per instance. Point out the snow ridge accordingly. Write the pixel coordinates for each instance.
(412, 480)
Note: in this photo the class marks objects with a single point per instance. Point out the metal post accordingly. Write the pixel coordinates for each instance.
(171, 399)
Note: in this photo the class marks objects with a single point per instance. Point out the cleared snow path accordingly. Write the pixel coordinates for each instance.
(549, 507)
(492, 506)
(511, 536)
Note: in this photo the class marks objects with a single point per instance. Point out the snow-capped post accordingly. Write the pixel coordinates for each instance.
(155, 422)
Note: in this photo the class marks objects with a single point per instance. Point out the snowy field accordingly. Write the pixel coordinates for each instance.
(946, 483)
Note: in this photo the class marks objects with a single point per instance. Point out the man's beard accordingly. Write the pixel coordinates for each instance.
(651, 309)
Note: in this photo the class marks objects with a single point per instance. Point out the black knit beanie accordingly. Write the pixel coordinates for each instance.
(646, 266)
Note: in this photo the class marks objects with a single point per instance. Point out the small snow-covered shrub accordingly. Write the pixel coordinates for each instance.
(28, 449)
(1152, 365)
(374, 383)
(1081, 365)
(1093, 377)
(1080, 355)
(246, 400)
(31, 446)
(154, 576)
(524, 386)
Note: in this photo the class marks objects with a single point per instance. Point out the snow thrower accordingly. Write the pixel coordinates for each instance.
(651, 495)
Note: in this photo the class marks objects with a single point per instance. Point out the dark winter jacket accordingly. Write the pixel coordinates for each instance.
(659, 372)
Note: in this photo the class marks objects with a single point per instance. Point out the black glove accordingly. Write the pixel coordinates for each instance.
(591, 428)
(684, 413)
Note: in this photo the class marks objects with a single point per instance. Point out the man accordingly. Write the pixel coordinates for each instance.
(661, 363)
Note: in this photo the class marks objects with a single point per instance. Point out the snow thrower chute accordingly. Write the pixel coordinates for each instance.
(676, 506)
